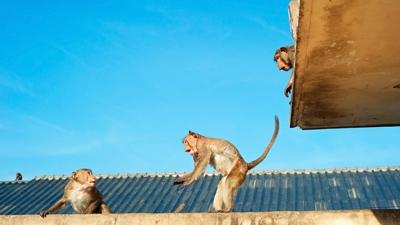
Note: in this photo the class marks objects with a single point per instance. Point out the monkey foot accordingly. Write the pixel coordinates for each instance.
(220, 211)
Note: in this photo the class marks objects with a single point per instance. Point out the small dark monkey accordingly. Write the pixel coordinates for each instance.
(18, 176)
(82, 193)
(226, 159)
(284, 58)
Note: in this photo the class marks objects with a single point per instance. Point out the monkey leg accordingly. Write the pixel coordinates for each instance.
(104, 209)
(232, 184)
(218, 198)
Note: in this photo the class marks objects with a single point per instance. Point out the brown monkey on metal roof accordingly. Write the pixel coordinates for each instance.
(81, 191)
(226, 159)
(18, 176)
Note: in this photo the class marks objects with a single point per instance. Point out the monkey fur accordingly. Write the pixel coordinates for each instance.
(82, 193)
(285, 58)
(226, 159)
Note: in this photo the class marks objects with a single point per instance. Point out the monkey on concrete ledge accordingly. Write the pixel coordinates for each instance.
(82, 193)
(226, 159)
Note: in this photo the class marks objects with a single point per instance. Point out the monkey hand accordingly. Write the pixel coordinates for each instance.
(44, 214)
(179, 180)
(187, 183)
(288, 89)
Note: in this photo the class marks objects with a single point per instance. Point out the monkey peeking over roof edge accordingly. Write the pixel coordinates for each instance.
(285, 59)
(226, 159)
(81, 191)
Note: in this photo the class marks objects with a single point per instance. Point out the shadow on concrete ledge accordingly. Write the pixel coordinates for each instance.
(387, 216)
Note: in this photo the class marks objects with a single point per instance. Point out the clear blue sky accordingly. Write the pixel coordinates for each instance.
(114, 86)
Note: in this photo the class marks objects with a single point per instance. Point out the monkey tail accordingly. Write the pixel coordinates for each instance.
(254, 163)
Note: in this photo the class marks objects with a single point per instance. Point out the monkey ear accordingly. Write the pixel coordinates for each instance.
(193, 134)
(73, 175)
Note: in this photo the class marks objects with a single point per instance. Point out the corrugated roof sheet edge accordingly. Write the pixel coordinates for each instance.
(259, 172)
(13, 181)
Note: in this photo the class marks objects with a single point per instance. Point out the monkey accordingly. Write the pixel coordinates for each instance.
(226, 159)
(82, 193)
(285, 58)
(18, 176)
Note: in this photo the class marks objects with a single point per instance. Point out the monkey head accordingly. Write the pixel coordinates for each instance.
(18, 176)
(284, 57)
(85, 178)
(190, 143)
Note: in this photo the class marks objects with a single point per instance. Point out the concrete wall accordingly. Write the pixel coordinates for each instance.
(359, 217)
(347, 64)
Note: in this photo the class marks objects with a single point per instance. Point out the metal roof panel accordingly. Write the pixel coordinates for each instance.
(337, 189)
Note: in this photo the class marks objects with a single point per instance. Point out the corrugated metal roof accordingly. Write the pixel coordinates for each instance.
(337, 189)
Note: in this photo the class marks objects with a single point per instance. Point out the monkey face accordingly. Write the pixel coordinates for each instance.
(282, 64)
(190, 142)
(85, 177)
(283, 59)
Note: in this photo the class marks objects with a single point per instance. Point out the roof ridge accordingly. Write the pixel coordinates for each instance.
(116, 175)
(328, 170)
(13, 181)
(259, 172)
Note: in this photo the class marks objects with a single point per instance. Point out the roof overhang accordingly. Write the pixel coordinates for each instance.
(347, 70)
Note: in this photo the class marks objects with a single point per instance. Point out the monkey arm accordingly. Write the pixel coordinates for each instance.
(97, 206)
(58, 205)
(201, 162)
(289, 85)
(93, 207)
(183, 178)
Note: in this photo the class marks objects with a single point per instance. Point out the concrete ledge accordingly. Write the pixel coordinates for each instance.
(352, 217)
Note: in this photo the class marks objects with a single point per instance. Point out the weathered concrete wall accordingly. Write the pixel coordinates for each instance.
(359, 217)
(347, 64)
